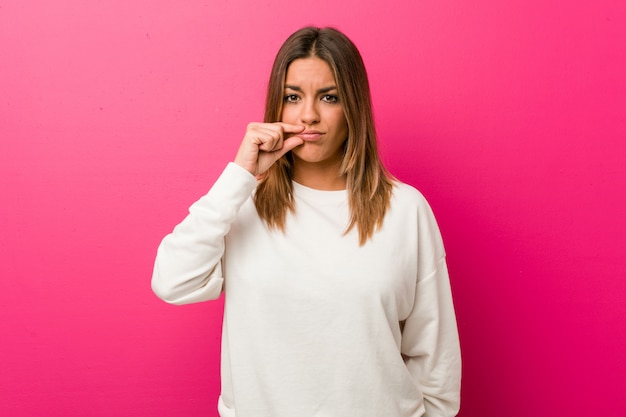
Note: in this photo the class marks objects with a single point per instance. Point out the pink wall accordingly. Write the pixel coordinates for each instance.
(116, 115)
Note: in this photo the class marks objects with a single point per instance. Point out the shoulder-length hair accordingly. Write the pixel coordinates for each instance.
(368, 183)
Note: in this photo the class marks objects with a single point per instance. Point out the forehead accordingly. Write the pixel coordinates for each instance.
(309, 71)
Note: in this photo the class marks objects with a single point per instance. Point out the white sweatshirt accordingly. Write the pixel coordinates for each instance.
(314, 324)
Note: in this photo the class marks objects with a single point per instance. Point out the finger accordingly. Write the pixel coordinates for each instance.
(288, 144)
(291, 128)
(266, 137)
(270, 141)
(267, 159)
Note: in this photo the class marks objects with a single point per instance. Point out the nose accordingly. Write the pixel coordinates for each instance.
(309, 113)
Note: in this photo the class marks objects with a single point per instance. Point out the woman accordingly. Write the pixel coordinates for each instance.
(337, 297)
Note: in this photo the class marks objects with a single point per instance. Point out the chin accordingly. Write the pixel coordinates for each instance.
(316, 159)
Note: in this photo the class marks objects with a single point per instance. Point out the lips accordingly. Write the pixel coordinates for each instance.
(310, 135)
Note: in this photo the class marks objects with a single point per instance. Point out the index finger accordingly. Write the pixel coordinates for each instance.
(289, 128)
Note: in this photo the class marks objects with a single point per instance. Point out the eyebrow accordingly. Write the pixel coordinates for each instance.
(320, 91)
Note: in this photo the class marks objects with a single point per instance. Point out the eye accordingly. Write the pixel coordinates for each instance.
(330, 98)
(291, 98)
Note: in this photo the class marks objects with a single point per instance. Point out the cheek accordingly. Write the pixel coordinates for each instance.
(340, 121)
(336, 118)
(287, 116)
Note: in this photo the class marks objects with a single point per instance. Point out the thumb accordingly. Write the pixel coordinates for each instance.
(289, 144)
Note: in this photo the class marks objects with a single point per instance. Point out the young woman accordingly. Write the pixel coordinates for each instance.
(338, 301)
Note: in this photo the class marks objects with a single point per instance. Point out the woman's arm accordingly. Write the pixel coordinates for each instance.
(430, 340)
(430, 344)
(188, 263)
(188, 268)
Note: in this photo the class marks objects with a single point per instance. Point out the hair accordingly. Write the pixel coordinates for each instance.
(368, 183)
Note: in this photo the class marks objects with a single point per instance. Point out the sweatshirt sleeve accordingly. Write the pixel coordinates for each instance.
(188, 266)
(430, 341)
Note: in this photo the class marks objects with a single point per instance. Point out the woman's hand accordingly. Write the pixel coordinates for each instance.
(264, 143)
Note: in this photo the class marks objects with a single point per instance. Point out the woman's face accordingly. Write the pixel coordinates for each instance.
(311, 99)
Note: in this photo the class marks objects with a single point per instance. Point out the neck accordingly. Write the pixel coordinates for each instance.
(319, 176)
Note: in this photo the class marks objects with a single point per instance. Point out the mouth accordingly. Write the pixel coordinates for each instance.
(310, 135)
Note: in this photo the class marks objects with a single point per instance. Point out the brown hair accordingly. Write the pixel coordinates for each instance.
(368, 183)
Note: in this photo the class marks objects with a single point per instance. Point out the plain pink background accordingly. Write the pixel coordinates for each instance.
(116, 115)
